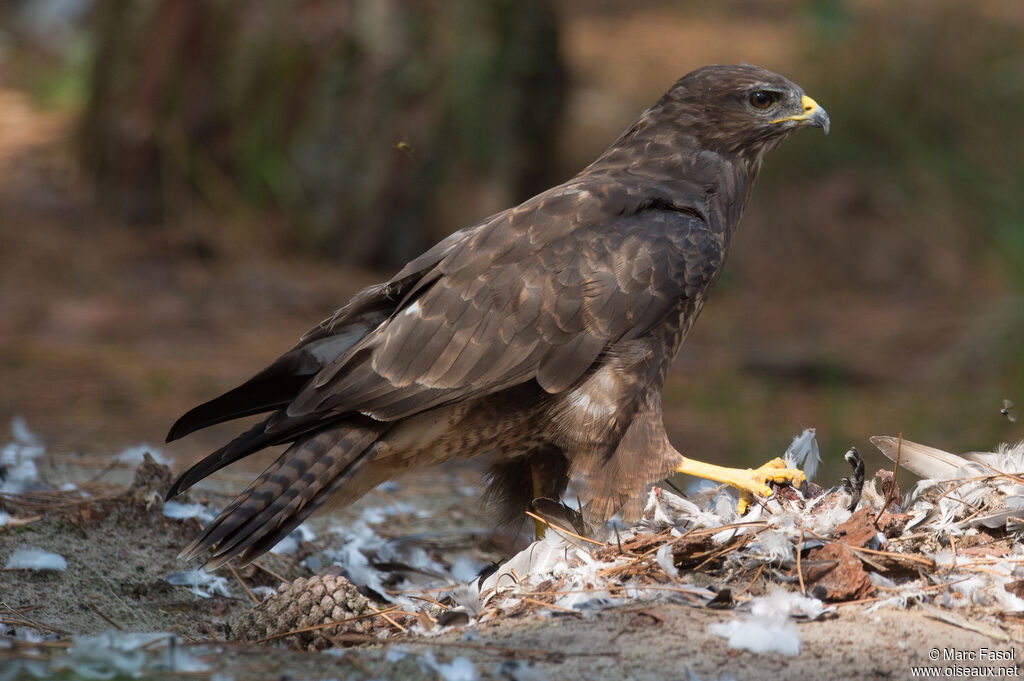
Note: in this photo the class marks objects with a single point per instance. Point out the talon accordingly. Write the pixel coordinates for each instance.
(776, 471)
(754, 481)
(750, 482)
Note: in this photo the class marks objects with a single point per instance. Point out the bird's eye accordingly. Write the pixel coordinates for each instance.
(762, 99)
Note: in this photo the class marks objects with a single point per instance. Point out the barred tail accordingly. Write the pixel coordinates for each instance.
(305, 476)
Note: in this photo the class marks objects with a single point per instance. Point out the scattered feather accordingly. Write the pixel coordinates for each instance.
(803, 453)
(290, 544)
(18, 471)
(136, 454)
(781, 604)
(537, 560)
(263, 591)
(30, 558)
(467, 597)
(881, 580)
(21, 433)
(759, 635)
(375, 515)
(517, 670)
(203, 584)
(459, 669)
(179, 511)
(127, 654)
(664, 558)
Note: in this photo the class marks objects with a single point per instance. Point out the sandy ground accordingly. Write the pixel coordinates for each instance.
(120, 548)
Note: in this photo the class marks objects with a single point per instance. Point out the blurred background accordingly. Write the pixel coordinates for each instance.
(187, 187)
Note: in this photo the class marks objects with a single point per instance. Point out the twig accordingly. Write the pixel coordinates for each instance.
(990, 561)
(209, 631)
(550, 605)
(722, 528)
(14, 521)
(562, 530)
(889, 554)
(799, 568)
(638, 558)
(957, 486)
(111, 466)
(688, 534)
(976, 568)
(1000, 474)
(873, 599)
(245, 586)
(15, 501)
(430, 600)
(100, 613)
(738, 542)
(757, 575)
(25, 619)
(650, 587)
(355, 662)
(895, 470)
(270, 572)
(391, 621)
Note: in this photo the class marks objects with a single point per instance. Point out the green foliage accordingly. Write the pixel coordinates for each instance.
(54, 81)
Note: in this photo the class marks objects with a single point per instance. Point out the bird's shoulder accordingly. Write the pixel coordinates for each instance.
(586, 207)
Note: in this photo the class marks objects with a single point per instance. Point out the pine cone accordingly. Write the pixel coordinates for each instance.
(307, 603)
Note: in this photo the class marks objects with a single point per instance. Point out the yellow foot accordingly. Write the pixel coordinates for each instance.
(749, 481)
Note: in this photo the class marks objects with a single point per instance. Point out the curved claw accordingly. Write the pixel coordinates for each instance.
(757, 479)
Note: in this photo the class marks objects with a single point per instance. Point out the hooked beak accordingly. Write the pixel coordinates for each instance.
(813, 115)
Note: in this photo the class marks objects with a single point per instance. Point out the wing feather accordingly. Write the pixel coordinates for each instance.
(547, 318)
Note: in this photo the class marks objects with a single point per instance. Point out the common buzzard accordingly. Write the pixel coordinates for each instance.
(541, 335)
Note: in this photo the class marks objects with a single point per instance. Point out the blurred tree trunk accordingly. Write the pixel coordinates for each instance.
(373, 126)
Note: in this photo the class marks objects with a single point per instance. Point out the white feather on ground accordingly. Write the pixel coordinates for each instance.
(959, 492)
(803, 453)
(31, 558)
(202, 583)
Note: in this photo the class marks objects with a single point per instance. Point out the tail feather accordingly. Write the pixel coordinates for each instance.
(246, 443)
(256, 438)
(293, 487)
(256, 396)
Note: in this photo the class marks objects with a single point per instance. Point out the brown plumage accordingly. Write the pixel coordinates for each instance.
(541, 335)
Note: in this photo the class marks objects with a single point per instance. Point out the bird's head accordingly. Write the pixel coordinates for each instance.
(741, 109)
